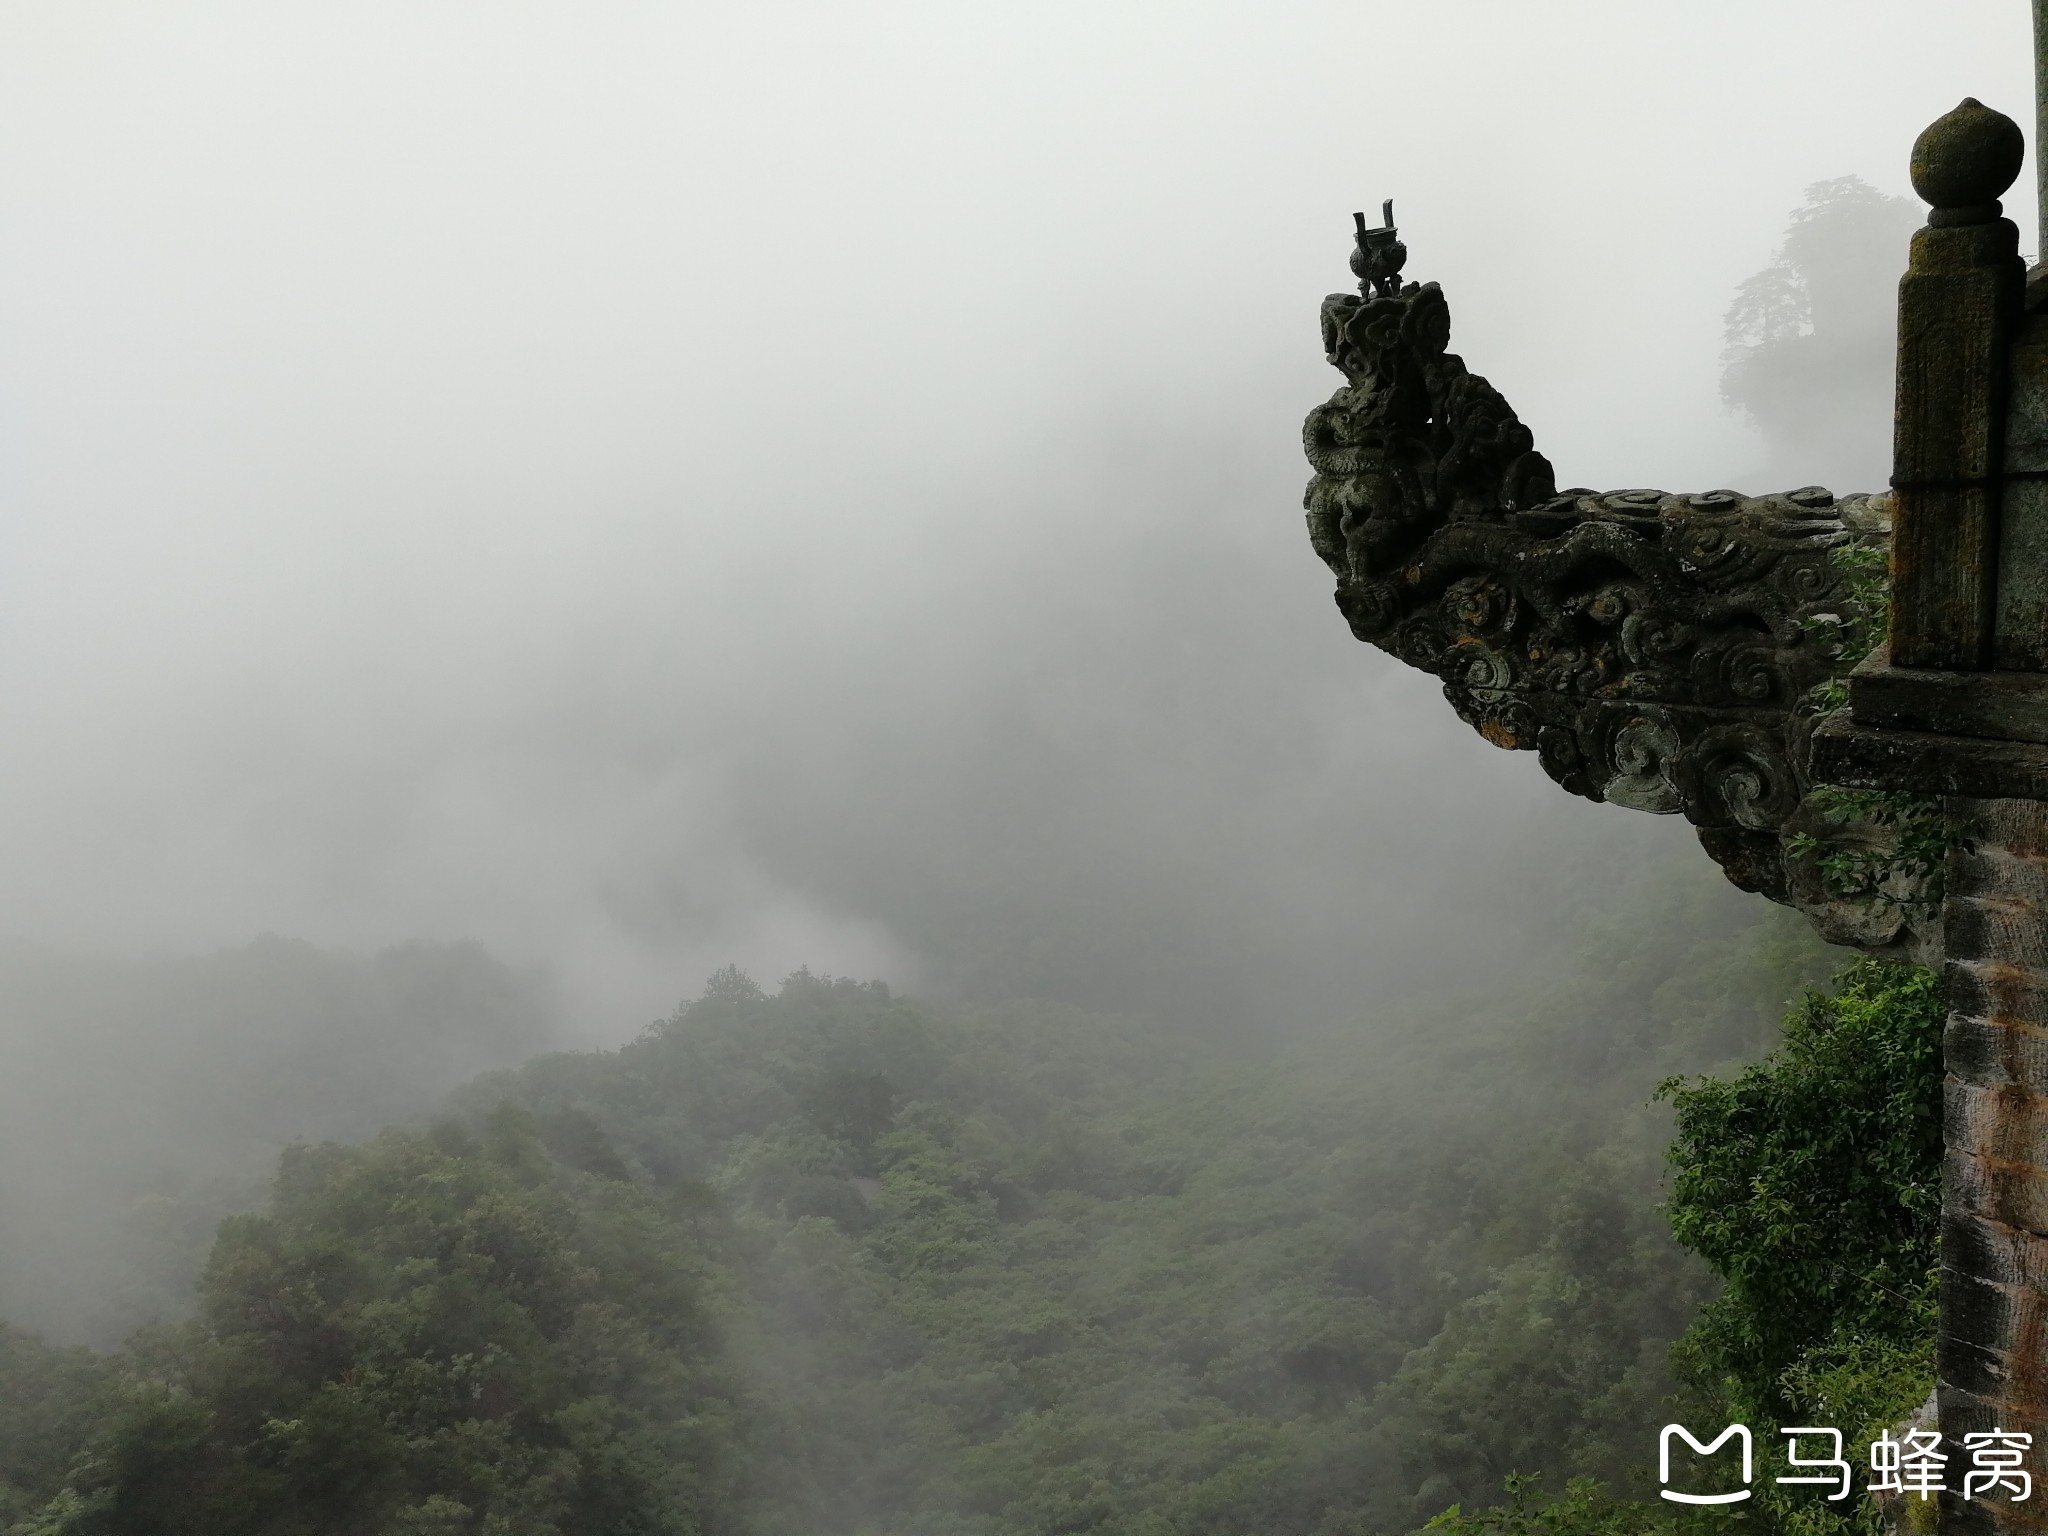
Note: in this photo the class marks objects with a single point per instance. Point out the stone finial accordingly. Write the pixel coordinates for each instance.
(1377, 259)
(1964, 161)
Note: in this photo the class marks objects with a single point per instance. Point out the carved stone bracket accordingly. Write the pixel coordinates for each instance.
(1677, 654)
(1661, 652)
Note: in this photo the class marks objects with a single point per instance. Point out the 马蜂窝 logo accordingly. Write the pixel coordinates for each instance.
(1913, 1464)
(1732, 1432)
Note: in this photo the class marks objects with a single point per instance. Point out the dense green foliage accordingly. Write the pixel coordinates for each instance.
(829, 1261)
(1904, 836)
(1583, 1509)
(142, 1100)
(1812, 1183)
(51, 1402)
(428, 1333)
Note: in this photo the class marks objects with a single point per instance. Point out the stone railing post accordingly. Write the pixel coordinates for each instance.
(1991, 1360)
(1662, 652)
(1957, 305)
(1959, 708)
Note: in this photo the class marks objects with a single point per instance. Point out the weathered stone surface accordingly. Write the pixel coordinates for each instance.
(1663, 652)
(1656, 651)
(2013, 1193)
(1983, 1373)
(2021, 640)
(2003, 705)
(1964, 160)
(2016, 826)
(1990, 1365)
(1979, 868)
(1958, 303)
(1992, 1356)
(1975, 1311)
(1994, 1252)
(1994, 1052)
(1961, 1413)
(2008, 927)
(1964, 1413)
(1846, 753)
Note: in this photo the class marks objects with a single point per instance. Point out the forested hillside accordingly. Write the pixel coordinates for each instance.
(829, 1260)
(1279, 1113)
(141, 1099)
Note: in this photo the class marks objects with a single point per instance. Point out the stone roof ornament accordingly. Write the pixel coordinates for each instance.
(1963, 163)
(1955, 706)
(1656, 651)
(1967, 651)
(1679, 654)
(1380, 255)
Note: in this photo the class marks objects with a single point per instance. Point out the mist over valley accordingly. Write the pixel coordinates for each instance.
(672, 651)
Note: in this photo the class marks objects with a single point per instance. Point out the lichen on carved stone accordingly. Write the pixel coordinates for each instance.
(1662, 652)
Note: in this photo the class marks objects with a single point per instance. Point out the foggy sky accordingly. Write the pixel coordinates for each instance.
(643, 485)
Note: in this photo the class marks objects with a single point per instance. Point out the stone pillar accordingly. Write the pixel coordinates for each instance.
(2041, 124)
(1992, 1359)
(1958, 306)
(1958, 707)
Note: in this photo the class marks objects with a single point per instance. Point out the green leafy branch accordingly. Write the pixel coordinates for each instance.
(1922, 836)
(1854, 633)
(1909, 870)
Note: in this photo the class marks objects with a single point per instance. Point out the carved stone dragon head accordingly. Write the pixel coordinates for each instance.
(1668, 653)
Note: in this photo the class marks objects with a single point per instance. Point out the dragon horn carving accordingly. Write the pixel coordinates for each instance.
(1669, 653)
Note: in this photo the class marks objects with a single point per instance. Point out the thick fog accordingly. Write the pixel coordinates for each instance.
(647, 485)
(643, 487)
